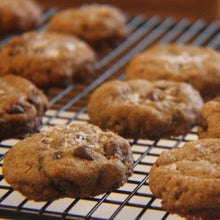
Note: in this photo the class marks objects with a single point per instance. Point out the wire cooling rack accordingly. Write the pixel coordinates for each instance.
(134, 200)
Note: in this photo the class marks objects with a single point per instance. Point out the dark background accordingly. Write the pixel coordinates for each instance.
(194, 9)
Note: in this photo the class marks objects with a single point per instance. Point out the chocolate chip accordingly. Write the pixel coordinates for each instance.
(84, 152)
(204, 124)
(178, 193)
(177, 91)
(58, 154)
(46, 140)
(84, 27)
(111, 148)
(153, 96)
(35, 92)
(80, 136)
(15, 109)
(162, 87)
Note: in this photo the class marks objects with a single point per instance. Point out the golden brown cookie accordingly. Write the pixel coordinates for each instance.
(94, 23)
(76, 160)
(210, 119)
(48, 59)
(198, 66)
(145, 109)
(187, 179)
(22, 106)
(19, 15)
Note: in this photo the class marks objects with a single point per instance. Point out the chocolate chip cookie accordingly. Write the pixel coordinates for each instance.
(48, 59)
(145, 109)
(198, 66)
(76, 160)
(98, 24)
(19, 15)
(210, 119)
(187, 179)
(22, 105)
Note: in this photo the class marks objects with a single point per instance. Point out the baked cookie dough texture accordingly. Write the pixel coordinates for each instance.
(198, 66)
(187, 179)
(209, 126)
(68, 161)
(22, 106)
(145, 109)
(48, 59)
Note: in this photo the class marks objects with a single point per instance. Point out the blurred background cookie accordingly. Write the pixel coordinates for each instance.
(22, 106)
(19, 15)
(210, 119)
(145, 109)
(98, 24)
(48, 59)
(198, 66)
(77, 160)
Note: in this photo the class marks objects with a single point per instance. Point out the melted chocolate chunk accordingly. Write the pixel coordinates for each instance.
(111, 148)
(153, 96)
(84, 152)
(15, 109)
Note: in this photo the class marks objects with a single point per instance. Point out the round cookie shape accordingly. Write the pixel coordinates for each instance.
(145, 109)
(94, 23)
(198, 66)
(187, 179)
(77, 160)
(48, 59)
(22, 106)
(19, 15)
(209, 126)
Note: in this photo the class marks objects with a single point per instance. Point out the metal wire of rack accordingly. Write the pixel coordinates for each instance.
(134, 200)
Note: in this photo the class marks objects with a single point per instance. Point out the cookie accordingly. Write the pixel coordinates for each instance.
(98, 24)
(48, 59)
(187, 179)
(145, 109)
(210, 119)
(19, 15)
(77, 160)
(22, 106)
(198, 66)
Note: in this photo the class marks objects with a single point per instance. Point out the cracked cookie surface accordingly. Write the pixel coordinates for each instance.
(209, 126)
(145, 109)
(198, 66)
(48, 59)
(22, 106)
(187, 179)
(68, 161)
